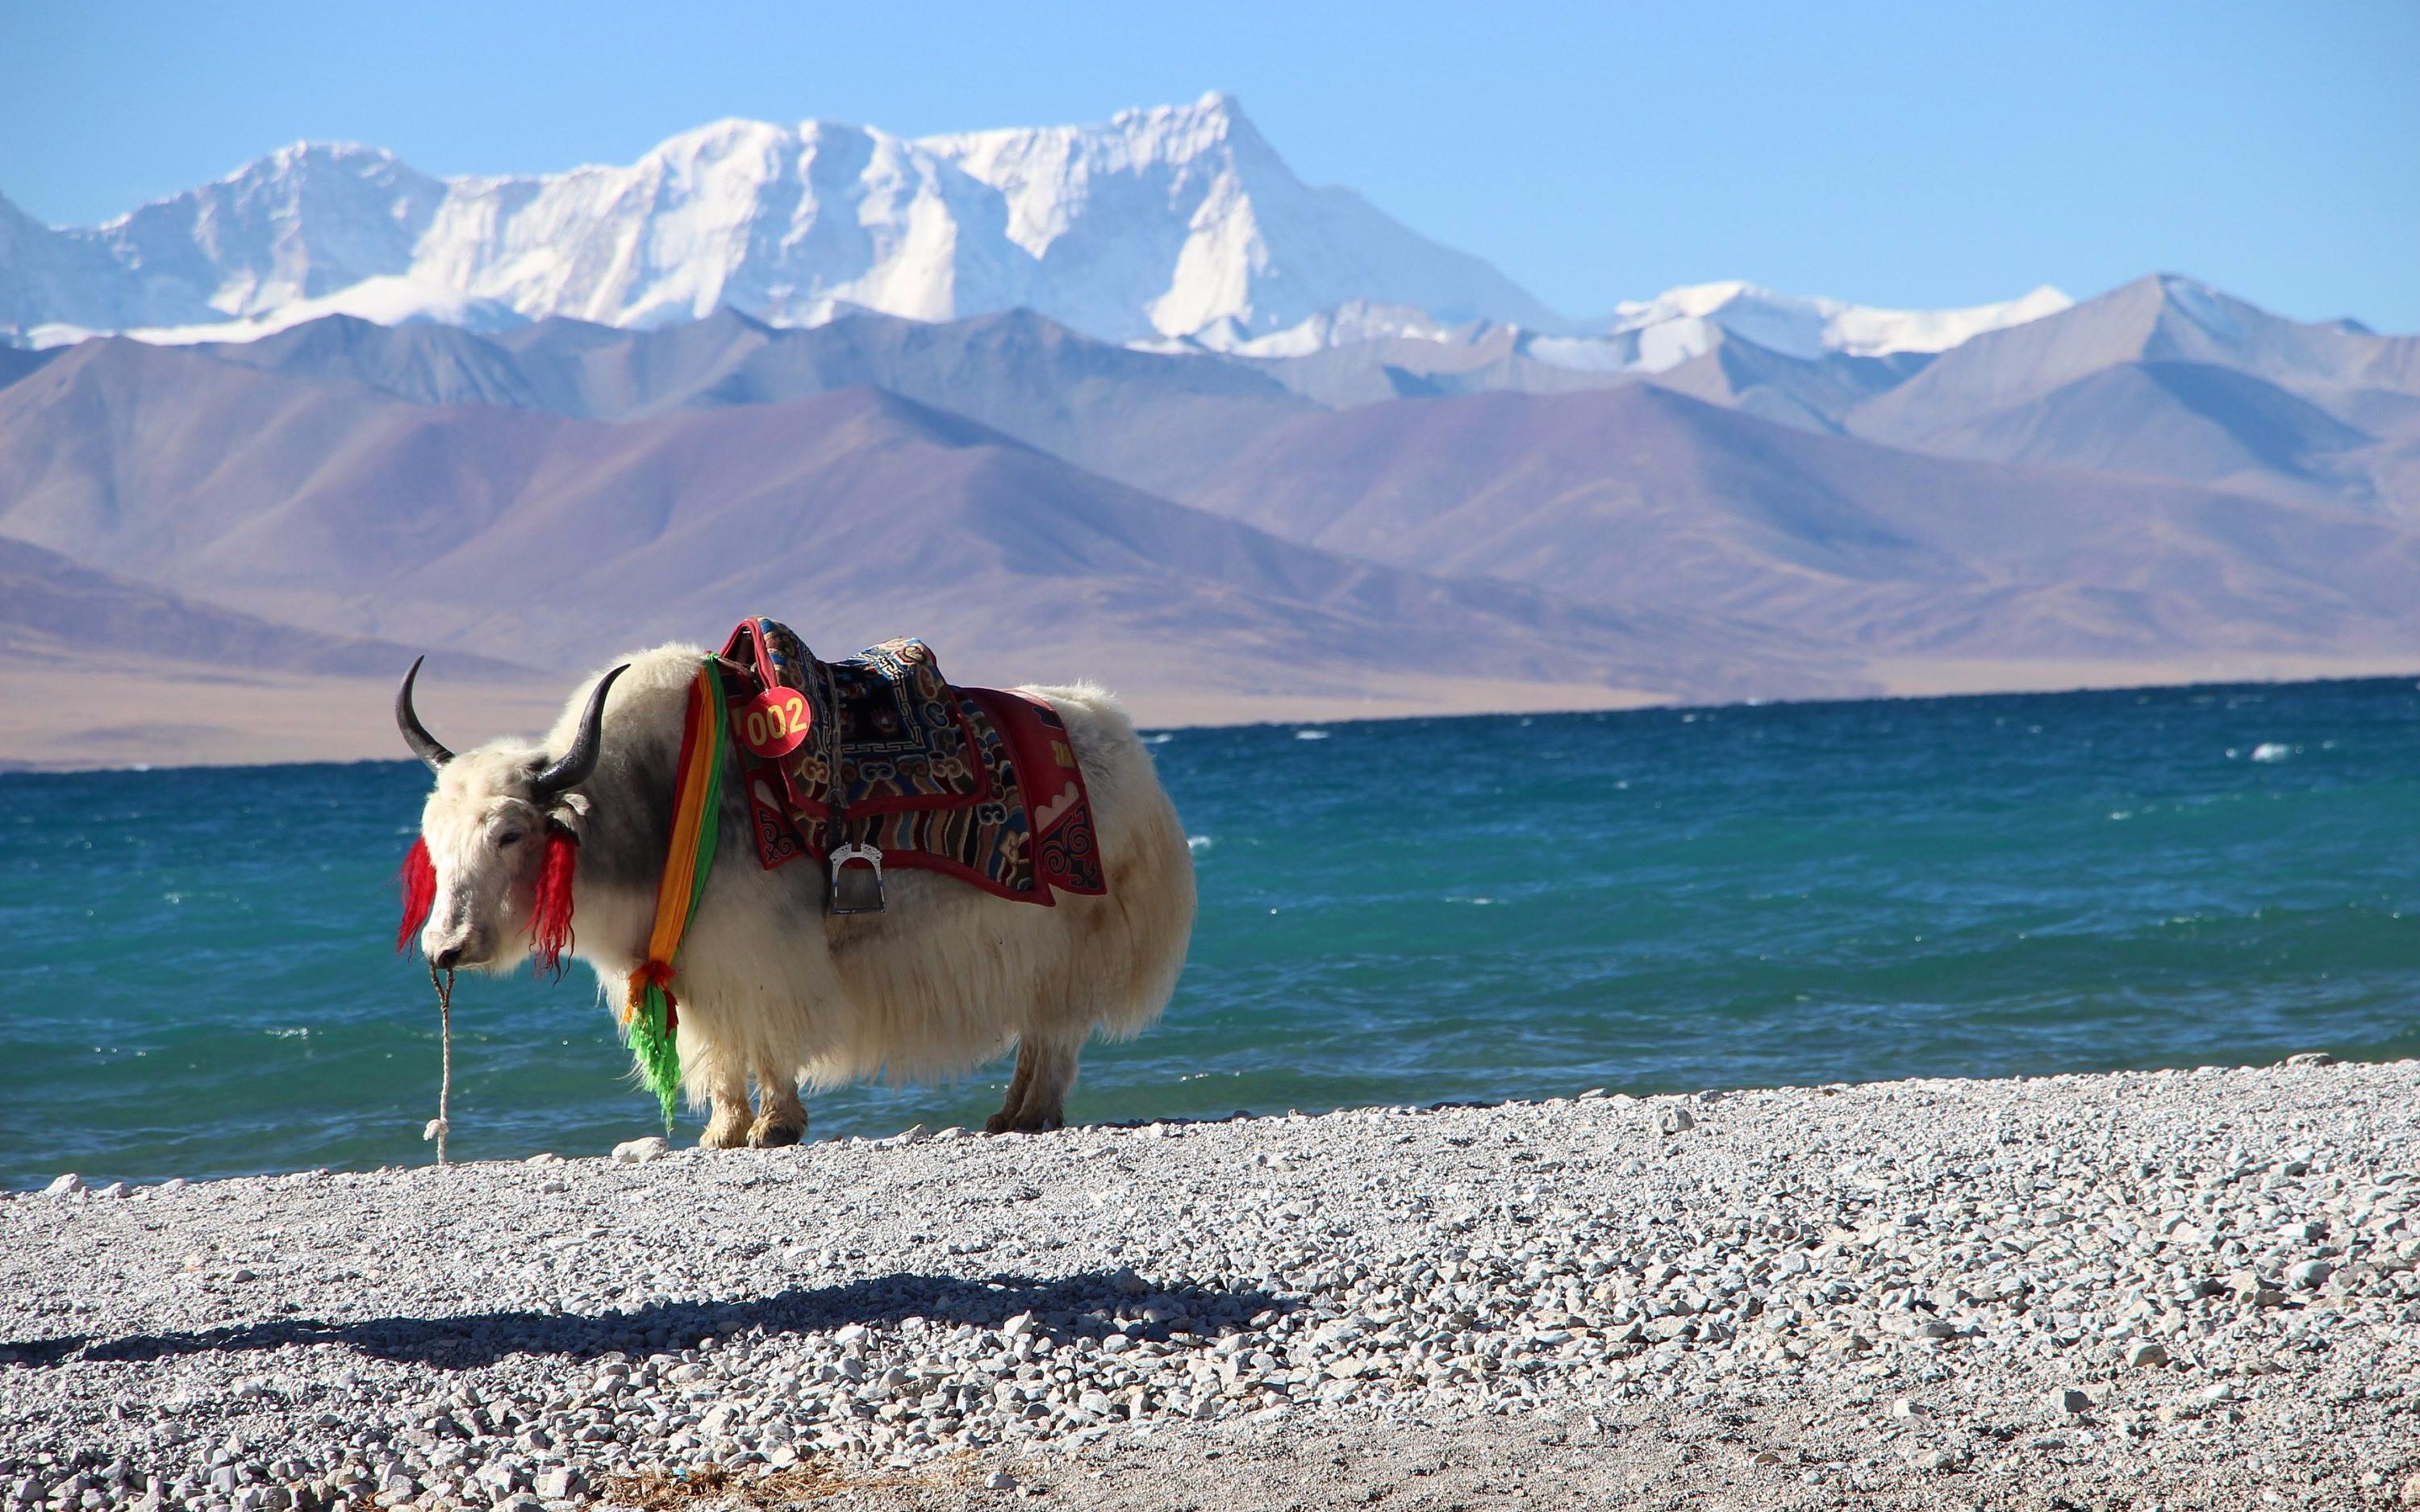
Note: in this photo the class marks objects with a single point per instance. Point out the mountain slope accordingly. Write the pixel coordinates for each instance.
(856, 514)
(1613, 496)
(48, 276)
(1662, 333)
(16, 362)
(2191, 421)
(1811, 393)
(1137, 417)
(1638, 496)
(1816, 394)
(96, 670)
(2168, 378)
(53, 608)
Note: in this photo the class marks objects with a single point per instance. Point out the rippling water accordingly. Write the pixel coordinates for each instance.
(199, 978)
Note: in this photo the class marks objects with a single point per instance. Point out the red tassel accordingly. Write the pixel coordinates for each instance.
(550, 918)
(419, 894)
(655, 974)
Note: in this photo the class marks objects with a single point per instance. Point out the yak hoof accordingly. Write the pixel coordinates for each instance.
(1004, 1122)
(724, 1136)
(774, 1136)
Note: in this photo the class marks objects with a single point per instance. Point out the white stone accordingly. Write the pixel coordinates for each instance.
(639, 1152)
(559, 1483)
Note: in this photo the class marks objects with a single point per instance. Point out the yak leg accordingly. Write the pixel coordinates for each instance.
(728, 1127)
(1037, 1094)
(781, 1118)
(1005, 1120)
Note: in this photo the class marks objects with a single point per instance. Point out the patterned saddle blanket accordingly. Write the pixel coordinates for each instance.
(880, 750)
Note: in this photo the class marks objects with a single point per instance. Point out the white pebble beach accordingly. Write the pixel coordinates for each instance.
(2190, 1288)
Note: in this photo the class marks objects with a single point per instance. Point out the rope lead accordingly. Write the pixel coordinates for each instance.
(437, 1126)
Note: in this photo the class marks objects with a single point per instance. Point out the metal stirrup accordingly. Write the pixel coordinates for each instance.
(851, 891)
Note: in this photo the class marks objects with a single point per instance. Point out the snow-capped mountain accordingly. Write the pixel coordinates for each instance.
(1679, 324)
(1190, 215)
(1173, 225)
(1650, 335)
(304, 222)
(1156, 223)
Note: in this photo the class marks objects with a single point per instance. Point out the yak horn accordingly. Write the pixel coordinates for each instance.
(580, 759)
(415, 735)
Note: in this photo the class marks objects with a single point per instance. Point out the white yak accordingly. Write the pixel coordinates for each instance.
(771, 986)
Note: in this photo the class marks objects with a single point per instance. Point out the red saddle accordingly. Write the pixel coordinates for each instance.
(879, 760)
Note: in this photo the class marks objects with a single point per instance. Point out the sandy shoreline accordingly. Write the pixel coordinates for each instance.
(2171, 1288)
(55, 717)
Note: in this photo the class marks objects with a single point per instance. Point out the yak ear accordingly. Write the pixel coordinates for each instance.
(571, 811)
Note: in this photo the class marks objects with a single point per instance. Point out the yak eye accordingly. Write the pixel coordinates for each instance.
(510, 837)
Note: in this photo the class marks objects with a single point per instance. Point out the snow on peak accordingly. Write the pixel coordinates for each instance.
(1680, 323)
(2205, 306)
(1648, 336)
(387, 299)
(1348, 324)
(1171, 223)
(1158, 223)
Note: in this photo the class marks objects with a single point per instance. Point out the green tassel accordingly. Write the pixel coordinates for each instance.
(653, 1049)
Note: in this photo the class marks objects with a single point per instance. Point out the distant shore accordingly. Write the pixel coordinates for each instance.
(61, 716)
(2195, 1288)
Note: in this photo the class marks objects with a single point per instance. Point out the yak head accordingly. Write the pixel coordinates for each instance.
(492, 875)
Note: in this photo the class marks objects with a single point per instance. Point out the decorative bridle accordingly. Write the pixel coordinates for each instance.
(549, 791)
(549, 918)
(650, 1014)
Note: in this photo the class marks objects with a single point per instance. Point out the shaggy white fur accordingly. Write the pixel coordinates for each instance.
(772, 989)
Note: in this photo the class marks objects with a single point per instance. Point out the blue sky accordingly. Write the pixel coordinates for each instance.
(1918, 154)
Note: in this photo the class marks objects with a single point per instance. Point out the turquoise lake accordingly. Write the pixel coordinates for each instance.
(200, 978)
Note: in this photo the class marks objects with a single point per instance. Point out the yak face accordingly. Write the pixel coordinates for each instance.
(492, 829)
(486, 834)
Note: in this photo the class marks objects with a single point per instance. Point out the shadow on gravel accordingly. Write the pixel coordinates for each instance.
(1086, 1305)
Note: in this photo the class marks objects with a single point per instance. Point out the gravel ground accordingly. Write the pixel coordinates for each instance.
(2186, 1288)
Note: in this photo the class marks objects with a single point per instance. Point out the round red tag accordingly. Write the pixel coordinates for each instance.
(775, 722)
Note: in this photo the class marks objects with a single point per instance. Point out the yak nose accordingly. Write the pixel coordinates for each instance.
(447, 959)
